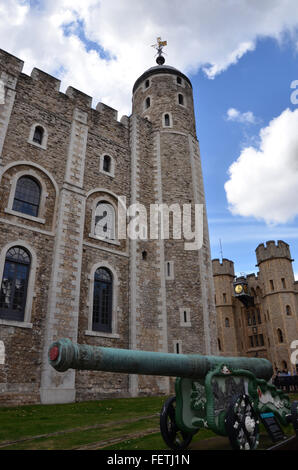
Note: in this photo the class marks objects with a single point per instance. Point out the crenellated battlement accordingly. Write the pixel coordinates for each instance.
(107, 110)
(226, 267)
(12, 66)
(79, 96)
(272, 250)
(49, 80)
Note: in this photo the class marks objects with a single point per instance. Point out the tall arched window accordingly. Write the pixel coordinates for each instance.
(14, 284)
(227, 323)
(105, 221)
(102, 300)
(38, 135)
(27, 196)
(280, 335)
(147, 102)
(219, 344)
(167, 120)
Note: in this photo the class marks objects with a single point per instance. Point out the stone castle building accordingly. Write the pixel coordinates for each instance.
(257, 314)
(63, 270)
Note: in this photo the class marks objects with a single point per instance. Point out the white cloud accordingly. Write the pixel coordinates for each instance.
(263, 181)
(235, 115)
(211, 35)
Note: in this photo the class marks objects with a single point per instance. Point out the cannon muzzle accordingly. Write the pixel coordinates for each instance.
(64, 355)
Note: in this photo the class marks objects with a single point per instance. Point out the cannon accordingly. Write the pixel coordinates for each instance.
(229, 395)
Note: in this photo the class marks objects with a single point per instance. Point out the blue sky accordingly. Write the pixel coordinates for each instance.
(241, 57)
(259, 82)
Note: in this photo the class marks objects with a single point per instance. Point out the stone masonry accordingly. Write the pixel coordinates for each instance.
(269, 326)
(162, 294)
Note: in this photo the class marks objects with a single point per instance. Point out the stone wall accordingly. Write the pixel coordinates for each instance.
(153, 309)
(256, 327)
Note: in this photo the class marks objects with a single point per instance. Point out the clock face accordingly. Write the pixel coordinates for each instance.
(238, 289)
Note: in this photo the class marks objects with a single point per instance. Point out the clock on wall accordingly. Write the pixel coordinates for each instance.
(241, 291)
(238, 289)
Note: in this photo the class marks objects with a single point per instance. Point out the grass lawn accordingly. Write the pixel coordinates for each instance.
(34, 420)
(124, 423)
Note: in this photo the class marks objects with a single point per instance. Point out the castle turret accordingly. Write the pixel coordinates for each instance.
(279, 295)
(223, 275)
(170, 173)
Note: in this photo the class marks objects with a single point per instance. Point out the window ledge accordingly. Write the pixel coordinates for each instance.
(101, 334)
(42, 147)
(15, 323)
(25, 216)
(107, 173)
(107, 240)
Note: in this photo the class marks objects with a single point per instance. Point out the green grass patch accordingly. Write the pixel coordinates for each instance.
(113, 418)
(77, 439)
(155, 441)
(33, 420)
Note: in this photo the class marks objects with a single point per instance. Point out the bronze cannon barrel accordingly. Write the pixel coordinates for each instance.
(64, 355)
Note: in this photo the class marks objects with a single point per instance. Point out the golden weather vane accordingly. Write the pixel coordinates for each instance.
(159, 47)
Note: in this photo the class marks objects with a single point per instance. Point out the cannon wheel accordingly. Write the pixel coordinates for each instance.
(172, 435)
(242, 424)
(294, 415)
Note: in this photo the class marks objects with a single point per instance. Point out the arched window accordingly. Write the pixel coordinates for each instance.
(14, 284)
(288, 310)
(167, 120)
(27, 196)
(227, 323)
(180, 99)
(105, 221)
(38, 135)
(219, 344)
(107, 163)
(102, 300)
(280, 335)
(147, 102)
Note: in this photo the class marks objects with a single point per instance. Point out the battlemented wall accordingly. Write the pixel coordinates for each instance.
(268, 327)
(153, 309)
(68, 169)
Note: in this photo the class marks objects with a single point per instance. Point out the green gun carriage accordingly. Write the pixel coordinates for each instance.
(229, 395)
